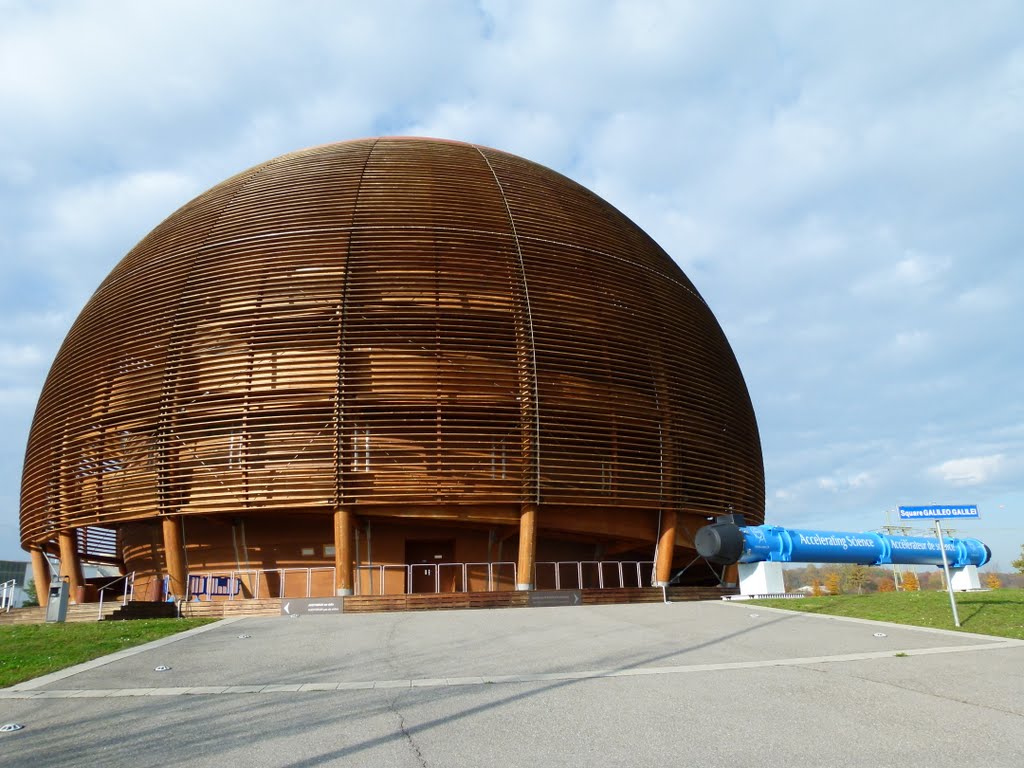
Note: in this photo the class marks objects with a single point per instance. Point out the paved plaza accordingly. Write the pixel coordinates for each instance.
(703, 684)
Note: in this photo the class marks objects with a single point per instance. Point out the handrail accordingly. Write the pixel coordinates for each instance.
(7, 594)
(129, 587)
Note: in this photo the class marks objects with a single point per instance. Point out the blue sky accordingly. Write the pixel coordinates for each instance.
(842, 181)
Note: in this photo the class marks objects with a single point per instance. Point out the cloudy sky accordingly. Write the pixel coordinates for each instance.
(844, 182)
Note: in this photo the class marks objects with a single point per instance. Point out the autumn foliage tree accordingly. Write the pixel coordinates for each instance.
(832, 583)
(910, 582)
(1018, 564)
(816, 587)
(992, 581)
(856, 578)
(886, 585)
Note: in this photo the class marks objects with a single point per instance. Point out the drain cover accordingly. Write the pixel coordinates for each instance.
(8, 727)
(162, 668)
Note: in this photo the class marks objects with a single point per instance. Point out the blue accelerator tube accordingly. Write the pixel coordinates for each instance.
(727, 543)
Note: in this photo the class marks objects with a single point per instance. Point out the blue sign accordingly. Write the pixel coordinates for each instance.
(936, 511)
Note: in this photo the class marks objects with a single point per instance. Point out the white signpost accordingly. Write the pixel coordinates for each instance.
(939, 512)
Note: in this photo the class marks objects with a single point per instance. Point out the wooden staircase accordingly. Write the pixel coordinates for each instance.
(81, 612)
(84, 612)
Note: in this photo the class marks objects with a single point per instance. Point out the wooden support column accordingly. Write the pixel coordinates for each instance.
(70, 565)
(41, 575)
(666, 548)
(174, 554)
(527, 547)
(343, 551)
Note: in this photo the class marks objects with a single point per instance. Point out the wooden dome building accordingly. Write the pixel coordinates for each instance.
(369, 355)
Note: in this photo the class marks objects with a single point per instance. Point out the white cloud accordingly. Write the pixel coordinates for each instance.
(835, 484)
(907, 346)
(14, 401)
(974, 470)
(88, 214)
(19, 355)
(914, 275)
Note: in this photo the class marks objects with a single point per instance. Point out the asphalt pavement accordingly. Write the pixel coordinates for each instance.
(704, 684)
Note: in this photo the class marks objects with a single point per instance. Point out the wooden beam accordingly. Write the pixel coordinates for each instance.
(70, 565)
(666, 548)
(174, 555)
(344, 549)
(41, 575)
(527, 546)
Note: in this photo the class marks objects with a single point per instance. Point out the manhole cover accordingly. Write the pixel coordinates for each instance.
(162, 668)
(8, 727)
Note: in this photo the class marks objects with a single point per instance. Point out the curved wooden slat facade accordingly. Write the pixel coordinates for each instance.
(398, 327)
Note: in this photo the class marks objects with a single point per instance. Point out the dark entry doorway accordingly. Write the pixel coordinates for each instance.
(424, 557)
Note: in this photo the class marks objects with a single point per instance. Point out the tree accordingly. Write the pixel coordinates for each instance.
(887, 585)
(992, 581)
(816, 588)
(31, 596)
(856, 577)
(910, 582)
(1018, 564)
(832, 583)
(812, 573)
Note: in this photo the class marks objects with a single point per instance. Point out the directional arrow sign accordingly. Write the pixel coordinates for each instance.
(312, 605)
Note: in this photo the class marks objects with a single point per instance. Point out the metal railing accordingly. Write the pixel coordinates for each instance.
(459, 575)
(230, 584)
(447, 577)
(7, 591)
(591, 574)
(126, 596)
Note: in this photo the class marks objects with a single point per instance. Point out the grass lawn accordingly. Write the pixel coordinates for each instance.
(30, 650)
(999, 612)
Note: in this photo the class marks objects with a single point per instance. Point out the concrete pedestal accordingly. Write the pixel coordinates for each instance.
(761, 579)
(964, 579)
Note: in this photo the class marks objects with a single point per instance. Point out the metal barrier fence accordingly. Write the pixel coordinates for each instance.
(446, 577)
(259, 583)
(592, 574)
(401, 579)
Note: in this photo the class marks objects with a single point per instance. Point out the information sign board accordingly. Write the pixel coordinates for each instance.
(939, 511)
